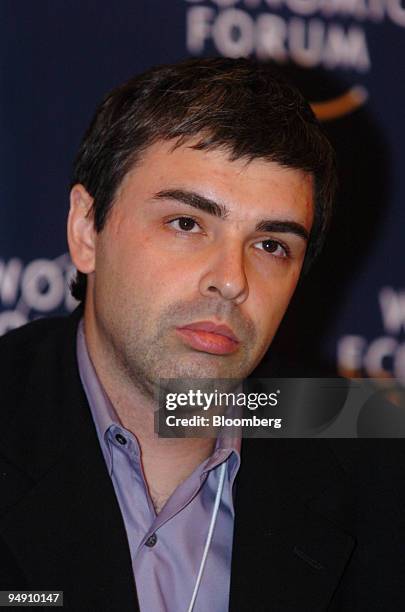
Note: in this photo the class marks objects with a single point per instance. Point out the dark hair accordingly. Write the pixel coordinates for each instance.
(238, 105)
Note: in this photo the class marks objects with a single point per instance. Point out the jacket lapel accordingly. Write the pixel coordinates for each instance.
(290, 545)
(75, 538)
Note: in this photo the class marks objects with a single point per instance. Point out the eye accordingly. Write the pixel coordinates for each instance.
(185, 224)
(274, 247)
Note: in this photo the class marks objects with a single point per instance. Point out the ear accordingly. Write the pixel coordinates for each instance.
(80, 229)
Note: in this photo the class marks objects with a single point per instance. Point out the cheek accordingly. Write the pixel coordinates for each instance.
(147, 275)
(269, 303)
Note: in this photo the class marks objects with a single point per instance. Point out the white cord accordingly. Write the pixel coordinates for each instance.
(209, 535)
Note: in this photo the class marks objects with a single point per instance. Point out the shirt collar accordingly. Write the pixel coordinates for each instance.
(102, 410)
(104, 414)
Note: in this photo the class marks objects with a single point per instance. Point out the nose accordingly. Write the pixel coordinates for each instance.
(225, 275)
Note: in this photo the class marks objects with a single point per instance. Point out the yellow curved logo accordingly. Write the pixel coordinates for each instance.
(342, 105)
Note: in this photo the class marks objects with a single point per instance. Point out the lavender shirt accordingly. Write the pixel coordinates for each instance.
(166, 549)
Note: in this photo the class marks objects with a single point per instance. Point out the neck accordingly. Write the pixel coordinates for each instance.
(166, 462)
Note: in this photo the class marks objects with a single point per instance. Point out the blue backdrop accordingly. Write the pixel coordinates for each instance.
(60, 57)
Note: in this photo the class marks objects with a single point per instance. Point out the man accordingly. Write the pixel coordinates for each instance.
(200, 191)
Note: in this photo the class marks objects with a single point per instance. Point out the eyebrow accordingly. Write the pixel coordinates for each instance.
(211, 207)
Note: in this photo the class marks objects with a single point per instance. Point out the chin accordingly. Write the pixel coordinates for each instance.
(198, 368)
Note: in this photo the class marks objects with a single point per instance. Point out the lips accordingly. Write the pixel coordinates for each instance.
(209, 326)
(208, 337)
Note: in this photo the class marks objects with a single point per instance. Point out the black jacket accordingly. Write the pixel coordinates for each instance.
(320, 524)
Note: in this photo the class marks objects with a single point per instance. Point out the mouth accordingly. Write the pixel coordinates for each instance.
(207, 337)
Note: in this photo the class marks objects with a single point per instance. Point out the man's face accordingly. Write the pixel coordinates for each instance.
(196, 238)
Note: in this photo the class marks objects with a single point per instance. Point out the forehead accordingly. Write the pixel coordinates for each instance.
(246, 188)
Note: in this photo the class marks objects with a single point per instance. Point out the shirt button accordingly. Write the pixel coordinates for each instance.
(120, 438)
(151, 541)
